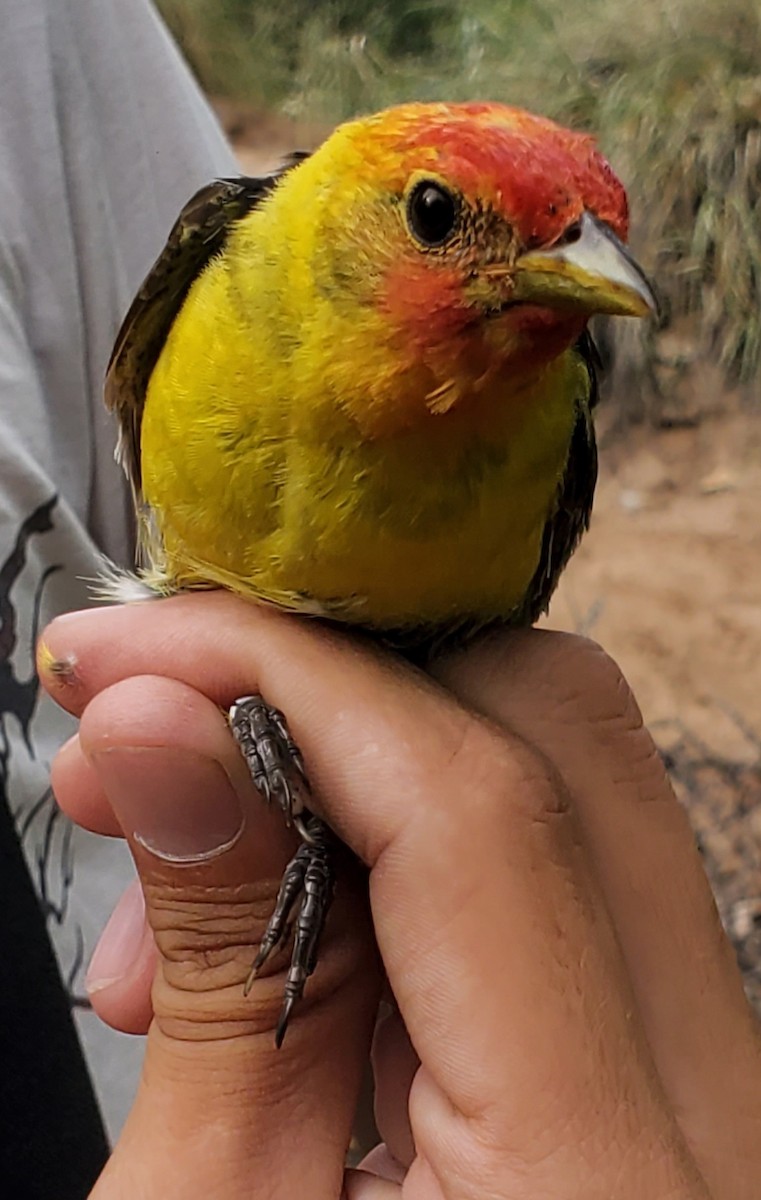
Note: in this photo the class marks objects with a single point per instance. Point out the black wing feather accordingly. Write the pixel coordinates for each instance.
(198, 235)
(570, 520)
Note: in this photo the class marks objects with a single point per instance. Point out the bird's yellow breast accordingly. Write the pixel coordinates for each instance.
(260, 480)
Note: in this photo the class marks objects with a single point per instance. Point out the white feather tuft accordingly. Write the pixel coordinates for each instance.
(118, 586)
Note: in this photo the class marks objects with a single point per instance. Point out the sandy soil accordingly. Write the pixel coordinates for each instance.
(669, 581)
(669, 578)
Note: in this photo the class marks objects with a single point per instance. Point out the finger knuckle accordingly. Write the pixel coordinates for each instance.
(588, 683)
(501, 772)
(206, 945)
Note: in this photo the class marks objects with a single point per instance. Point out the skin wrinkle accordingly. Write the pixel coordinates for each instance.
(201, 991)
(523, 1164)
(233, 1076)
(458, 748)
(591, 686)
(257, 1067)
(451, 779)
(590, 1161)
(522, 772)
(436, 1127)
(570, 706)
(243, 903)
(206, 989)
(463, 893)
(636, 764)
(617, 719)
(631, 1154)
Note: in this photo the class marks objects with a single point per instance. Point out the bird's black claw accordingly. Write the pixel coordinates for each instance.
(309, 875)
(278, 773)
(271, 754)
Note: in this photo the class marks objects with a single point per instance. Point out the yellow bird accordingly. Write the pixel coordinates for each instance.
(361, 389)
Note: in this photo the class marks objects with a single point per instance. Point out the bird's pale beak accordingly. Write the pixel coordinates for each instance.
(593, 273)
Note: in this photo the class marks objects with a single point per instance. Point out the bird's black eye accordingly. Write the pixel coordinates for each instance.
(432, 213)
(572, 234)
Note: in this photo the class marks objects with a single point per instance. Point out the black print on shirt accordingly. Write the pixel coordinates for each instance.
(41, 826)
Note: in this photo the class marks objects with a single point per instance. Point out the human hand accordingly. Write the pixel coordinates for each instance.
(540, 908)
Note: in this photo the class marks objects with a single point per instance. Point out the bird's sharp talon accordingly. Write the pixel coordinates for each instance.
(303, 830)
(253, 974)
(284, 1018)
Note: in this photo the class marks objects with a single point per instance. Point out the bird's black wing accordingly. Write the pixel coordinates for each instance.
(198, 235)
(570, 519)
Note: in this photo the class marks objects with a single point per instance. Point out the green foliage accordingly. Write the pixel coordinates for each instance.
(325, 57)
(670, 87)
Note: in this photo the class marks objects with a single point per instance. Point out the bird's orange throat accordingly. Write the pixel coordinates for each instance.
(537, 335)
(450, 358)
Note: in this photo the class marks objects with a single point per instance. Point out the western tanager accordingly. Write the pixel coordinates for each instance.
(361, 389)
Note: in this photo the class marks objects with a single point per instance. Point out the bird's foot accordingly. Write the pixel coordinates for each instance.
(278, 773)
(272, 757)
(309, 878)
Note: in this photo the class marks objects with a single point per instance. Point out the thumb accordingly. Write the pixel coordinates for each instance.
(219, 1109)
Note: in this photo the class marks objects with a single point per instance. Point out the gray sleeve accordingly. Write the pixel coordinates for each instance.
(103, 137)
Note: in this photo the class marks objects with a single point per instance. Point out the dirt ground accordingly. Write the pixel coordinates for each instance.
(669, 581)
(669, 578)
